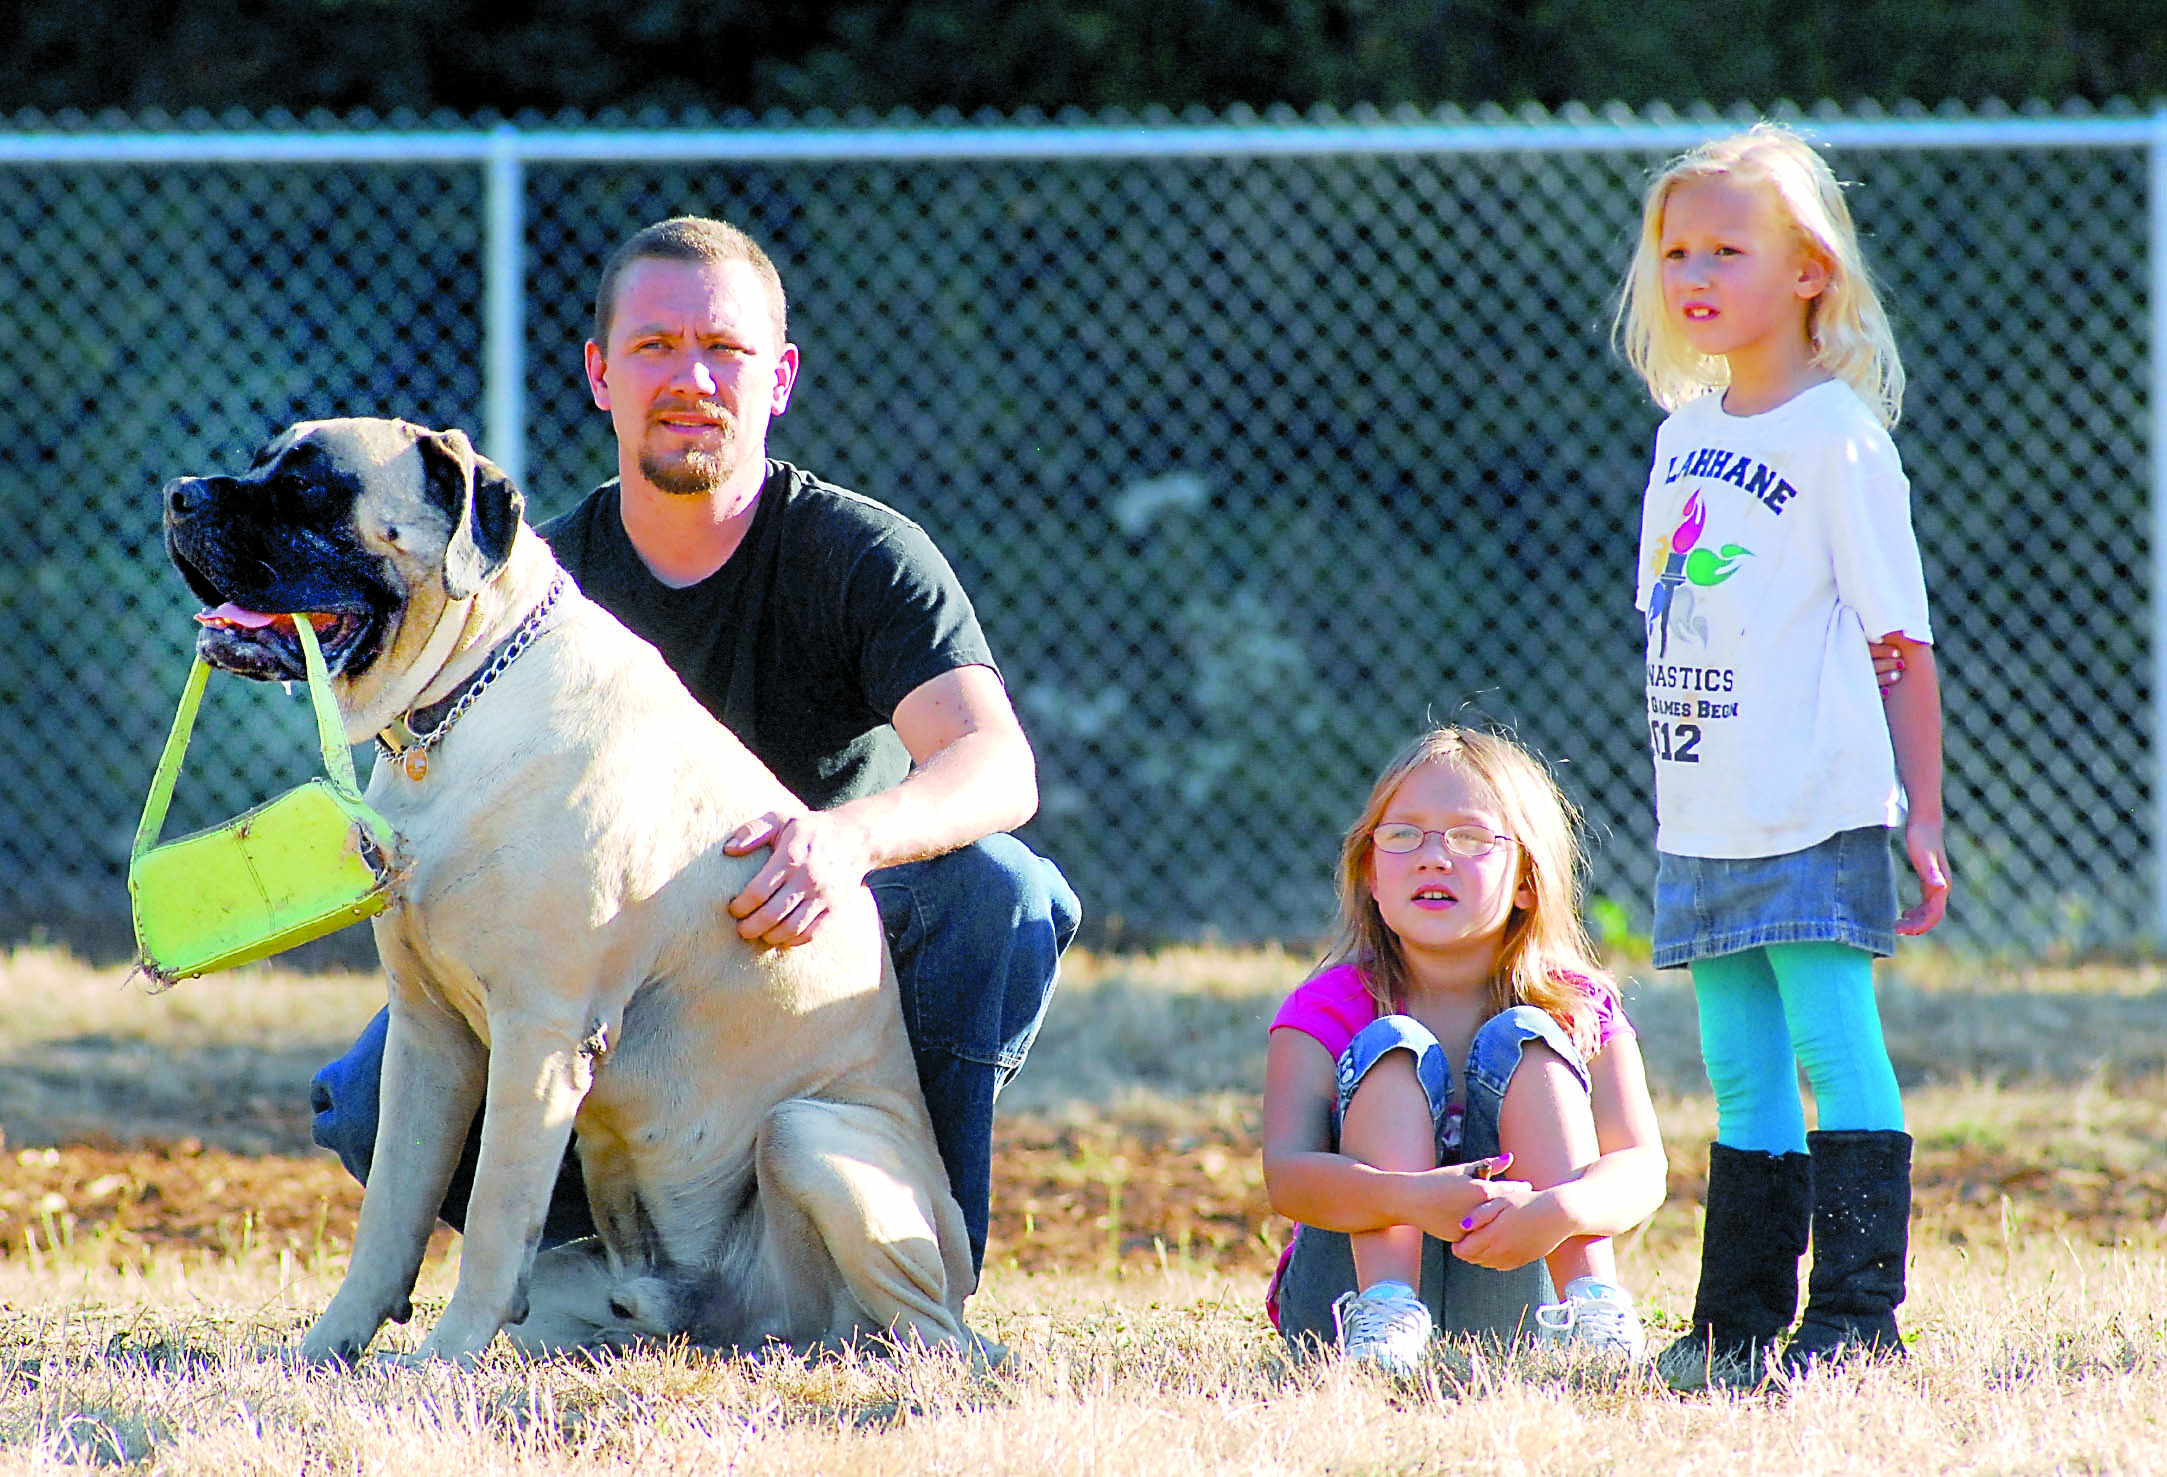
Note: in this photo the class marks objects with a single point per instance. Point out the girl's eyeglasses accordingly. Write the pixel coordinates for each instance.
(1401, 837)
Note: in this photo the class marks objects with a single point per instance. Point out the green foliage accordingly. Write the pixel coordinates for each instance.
(1610, 924)
(710, 55)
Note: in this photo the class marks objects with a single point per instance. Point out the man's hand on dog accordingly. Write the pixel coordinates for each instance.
(817, 857)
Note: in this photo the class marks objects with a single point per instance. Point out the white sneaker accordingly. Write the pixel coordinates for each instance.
(1386, 1327)
(1598, 1316)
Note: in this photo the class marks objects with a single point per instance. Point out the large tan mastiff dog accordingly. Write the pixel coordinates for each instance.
(755, 1145)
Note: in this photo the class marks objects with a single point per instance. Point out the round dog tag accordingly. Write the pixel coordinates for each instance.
(415, 762)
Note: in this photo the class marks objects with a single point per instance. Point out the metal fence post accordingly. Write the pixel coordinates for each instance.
(2156, 286)
(504, 256)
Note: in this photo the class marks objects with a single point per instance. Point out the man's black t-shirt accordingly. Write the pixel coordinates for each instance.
(853, 609)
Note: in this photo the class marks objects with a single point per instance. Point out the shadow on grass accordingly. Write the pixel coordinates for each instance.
(101, 1088)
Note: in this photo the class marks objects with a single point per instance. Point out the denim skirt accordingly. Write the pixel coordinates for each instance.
(1840, 891)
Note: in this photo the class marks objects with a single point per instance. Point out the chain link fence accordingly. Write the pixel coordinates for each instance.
(1255, 459)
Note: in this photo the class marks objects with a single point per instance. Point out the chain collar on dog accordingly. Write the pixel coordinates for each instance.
(399, 740)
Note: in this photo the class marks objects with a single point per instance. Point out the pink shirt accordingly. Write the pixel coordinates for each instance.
(1333, 1005)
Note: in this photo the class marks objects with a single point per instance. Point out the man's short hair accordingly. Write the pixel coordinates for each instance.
(687, 238)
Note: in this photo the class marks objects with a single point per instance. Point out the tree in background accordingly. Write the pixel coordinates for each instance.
(713, 56)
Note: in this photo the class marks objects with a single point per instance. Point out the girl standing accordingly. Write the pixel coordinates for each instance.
(1460, 1027)
(1775, 539)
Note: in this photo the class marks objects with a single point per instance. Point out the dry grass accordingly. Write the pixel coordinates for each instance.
(2037, 1313)
(2038, 1357)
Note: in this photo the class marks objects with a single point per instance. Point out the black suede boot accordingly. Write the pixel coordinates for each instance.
(1861, 1234)
(1752, 1235)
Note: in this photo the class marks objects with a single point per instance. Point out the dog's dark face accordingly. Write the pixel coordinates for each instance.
(359, 526)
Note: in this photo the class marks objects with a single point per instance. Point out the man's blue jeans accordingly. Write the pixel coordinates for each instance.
(976, 936)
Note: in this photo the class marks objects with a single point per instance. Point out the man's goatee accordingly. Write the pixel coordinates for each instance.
(693, 474)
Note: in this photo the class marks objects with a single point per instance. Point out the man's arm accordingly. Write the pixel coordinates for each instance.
(972, 775)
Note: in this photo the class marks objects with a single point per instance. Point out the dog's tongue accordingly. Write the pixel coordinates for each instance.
(230, 614)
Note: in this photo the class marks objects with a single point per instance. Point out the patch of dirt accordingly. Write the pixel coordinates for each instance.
(1069, 1195)
(1123, 1190)
(174, 1195)
(1064, 1196)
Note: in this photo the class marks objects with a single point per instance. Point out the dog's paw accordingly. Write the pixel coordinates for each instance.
(428, 1358)
(323, 1350)
(445, 1347)
(342, 1333)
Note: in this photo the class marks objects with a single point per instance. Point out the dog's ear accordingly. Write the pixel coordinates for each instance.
(481, 504)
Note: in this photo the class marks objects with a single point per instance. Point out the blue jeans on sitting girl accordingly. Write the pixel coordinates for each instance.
(1463, 1298)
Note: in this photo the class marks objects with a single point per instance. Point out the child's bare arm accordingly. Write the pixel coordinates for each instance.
(1306, 1181)
(1888, 667)
(1611, 1195)
(1914, 713)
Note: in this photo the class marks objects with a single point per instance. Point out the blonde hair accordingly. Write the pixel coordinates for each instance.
(1543, 943)
(1846, 323)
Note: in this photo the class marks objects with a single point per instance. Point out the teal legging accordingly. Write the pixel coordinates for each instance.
(1764, 1013)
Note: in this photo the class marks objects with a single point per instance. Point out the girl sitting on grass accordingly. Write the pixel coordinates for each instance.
(1460, 1027)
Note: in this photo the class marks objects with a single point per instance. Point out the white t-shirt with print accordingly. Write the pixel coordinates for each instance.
(1771, 547)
